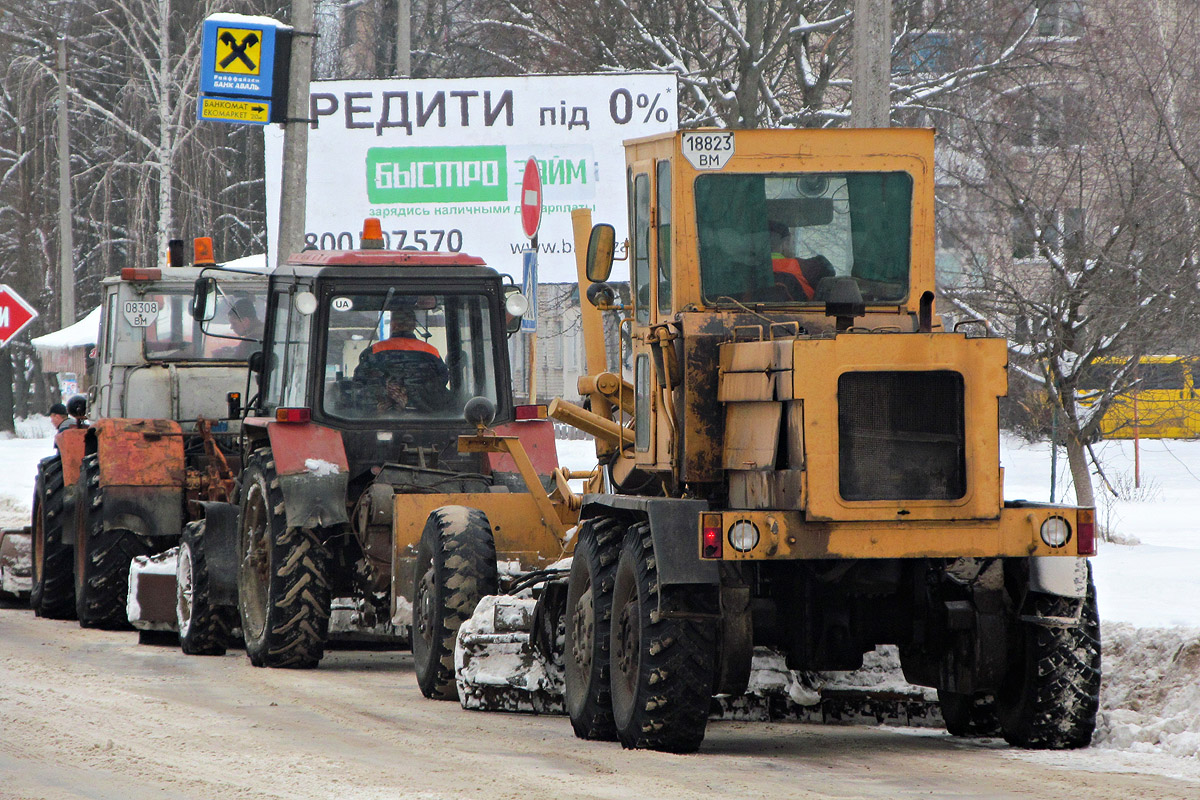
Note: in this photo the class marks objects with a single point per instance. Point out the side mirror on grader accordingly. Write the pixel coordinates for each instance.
(601, 245)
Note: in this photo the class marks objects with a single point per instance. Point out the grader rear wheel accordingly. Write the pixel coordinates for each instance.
(663, 668)
(587, 617)
(1050, 700)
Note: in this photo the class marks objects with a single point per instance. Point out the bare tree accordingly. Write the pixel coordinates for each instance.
(1086, 179)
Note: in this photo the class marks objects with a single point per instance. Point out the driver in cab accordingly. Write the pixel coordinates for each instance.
(404, 370)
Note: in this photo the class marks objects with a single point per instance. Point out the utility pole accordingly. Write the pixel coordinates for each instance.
(869, 92)
(404, 38)
(66, 241)
(294, 182)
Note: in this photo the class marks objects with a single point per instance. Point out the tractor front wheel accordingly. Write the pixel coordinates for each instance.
(53, 593)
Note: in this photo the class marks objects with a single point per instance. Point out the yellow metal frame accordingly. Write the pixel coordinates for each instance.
(787, 535)
(819, 363)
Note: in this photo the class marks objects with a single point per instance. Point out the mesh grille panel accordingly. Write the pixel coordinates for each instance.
(901, 436)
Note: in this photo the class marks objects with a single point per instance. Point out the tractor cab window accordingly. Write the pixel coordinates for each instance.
(774, 238)
(171, 334)
(397, 356)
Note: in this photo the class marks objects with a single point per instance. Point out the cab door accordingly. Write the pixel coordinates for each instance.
(642, 291)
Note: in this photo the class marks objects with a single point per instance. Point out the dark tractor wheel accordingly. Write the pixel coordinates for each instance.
(456, 567)
(203, 628)
(53, 594)
(283, 576)
(1051, 696)
(663, 668)
(587, 617)
(102, 557)
(969, 715)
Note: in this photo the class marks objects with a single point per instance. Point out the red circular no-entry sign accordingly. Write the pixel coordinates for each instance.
(531, 198)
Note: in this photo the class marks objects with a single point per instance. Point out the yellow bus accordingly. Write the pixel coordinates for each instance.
(1164, 403)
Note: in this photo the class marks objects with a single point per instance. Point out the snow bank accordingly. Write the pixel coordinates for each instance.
(1150, 698)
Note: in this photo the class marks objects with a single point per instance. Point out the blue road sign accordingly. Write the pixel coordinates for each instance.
(238, 55)
(529, 289)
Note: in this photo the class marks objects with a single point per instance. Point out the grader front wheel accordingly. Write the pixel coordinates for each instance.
(456, 567)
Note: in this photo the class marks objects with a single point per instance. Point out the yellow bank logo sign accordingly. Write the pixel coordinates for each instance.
(239, 51)
(224, 109)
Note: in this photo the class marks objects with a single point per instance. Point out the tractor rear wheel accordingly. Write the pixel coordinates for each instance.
(1052, 695)
(663, 668)
(283, 576)
(456, 567)
(53, 592)
(102, 557)
(203, 628)
(587, 616)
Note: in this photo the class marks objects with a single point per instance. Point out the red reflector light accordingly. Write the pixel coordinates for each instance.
(1085, 531)
(531, 412)
(372, 235)
(137, 274)
(712, 541)
(202, 248)
(293, 415)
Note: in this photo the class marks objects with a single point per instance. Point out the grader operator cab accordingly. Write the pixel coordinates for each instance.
(804, 460)
(355, 483)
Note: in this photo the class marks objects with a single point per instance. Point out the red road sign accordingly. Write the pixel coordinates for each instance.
(531, 199)
(15, 314)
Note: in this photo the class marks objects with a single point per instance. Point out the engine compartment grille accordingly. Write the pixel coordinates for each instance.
(901, 436)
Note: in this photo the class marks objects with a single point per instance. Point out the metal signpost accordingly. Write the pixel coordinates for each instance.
(531, 219)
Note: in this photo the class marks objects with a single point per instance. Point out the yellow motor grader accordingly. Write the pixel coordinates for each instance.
(800, 457)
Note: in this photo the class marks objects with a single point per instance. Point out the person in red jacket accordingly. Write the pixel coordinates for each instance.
(405, 370)
(798, 276)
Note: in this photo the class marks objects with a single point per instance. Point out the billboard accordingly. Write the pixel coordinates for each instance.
(440, 161)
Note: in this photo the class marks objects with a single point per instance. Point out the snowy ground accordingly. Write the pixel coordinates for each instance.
(1148, 587)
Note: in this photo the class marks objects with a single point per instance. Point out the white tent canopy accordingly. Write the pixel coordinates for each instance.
(82, 333)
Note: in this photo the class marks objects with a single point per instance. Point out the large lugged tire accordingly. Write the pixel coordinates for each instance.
(456, 567)
(283, 576)
(663, 668)
(587, 617)
(203, 628)
(53, 593)
(102, 557)
(1050, 700)
(969, 715)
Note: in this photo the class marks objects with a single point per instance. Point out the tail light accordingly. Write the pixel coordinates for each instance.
(372, 235)
(293, 415)
(530, 412)
(202, 249)
(711, 538)
(1085, 531)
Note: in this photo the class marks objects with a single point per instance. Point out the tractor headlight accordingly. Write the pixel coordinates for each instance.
(743, 536)
(1056, 531)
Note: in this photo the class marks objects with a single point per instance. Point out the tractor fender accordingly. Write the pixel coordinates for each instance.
(1057, 575)
(537, 439)
(221, 550)
(313, 472)
(142, 473)
(70, 447)
(675, 528)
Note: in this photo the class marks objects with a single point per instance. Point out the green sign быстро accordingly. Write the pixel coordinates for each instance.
(437, 174)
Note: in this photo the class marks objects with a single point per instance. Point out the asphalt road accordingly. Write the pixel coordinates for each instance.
(92, 714)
